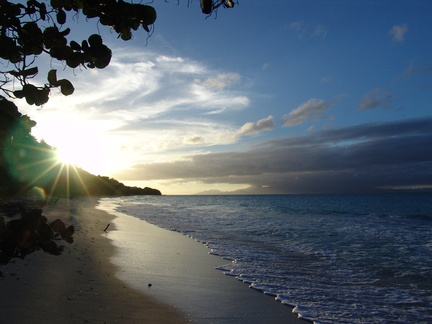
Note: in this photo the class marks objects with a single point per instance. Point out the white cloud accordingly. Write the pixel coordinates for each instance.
(258, 127)
(149, 106)
(312, 109)
(398, 32)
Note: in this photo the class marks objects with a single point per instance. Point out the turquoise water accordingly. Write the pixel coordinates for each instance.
(337, 258)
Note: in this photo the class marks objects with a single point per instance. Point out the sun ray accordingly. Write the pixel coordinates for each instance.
(80, 179)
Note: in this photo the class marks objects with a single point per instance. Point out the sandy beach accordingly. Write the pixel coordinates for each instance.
(80, 285)
(86, 284)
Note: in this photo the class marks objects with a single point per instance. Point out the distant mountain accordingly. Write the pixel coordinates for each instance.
(252, 190)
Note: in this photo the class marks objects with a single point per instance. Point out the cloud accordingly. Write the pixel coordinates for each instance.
(363, 158)
(149, 106)
(147, 84)
(377, 98)
(312, 109)
(258, 127)
(319, 31)
(304, 30)
(194, 140)
(413, 71)
(398, 32)
(221, 81)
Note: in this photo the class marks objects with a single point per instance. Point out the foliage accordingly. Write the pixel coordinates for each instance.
(30, 233)
(37, 28)
(34, 28)
(208, 6)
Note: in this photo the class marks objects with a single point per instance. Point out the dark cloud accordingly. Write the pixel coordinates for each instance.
(363, 158)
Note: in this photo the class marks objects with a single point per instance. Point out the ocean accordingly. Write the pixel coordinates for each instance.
(335, 258)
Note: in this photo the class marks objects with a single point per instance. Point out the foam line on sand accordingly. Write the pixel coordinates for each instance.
(182, 273)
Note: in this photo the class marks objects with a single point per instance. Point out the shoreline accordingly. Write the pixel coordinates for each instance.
(80, 285)
(183, 274)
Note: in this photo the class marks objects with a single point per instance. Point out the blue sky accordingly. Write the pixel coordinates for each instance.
(267, 97)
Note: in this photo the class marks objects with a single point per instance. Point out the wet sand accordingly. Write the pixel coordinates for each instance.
(182, 273)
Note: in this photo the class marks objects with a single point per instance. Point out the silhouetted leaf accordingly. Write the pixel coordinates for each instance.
(207, 6)
(66, 87)
(75, 46)
(67, 234)
(58, 226)
(52, 78)
(61, 17)
(95, 40)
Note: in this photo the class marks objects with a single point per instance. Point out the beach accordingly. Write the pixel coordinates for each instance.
(83, 285)
(80, 285)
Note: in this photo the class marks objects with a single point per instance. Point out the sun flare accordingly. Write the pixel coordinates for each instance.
(77, 143)
(84, 154)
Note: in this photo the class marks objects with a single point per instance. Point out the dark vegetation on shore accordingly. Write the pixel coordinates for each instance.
(26, 163)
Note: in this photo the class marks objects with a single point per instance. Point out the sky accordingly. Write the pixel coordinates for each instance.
(269, 97)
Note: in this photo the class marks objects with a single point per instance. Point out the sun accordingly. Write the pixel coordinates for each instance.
(85, 153)
(82, 141)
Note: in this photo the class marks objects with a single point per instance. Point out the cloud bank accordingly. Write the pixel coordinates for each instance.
(363, 158)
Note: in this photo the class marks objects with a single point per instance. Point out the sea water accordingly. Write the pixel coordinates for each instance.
(335, 258)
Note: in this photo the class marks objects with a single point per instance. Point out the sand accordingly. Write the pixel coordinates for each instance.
(78, 286)
(87, 283)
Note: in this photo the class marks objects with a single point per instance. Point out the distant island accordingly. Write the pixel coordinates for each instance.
(26, 163)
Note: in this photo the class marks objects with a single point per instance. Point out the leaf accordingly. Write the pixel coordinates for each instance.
(61, 17)
(230, 4)
(41, 96)
(67, 234)
(95, 40)
(126, 34)
(75, 46)
(207, 6)
(102, 57)
(31, 71)
(58, 225)
(73, 62)
(52, 78)
(65, 32)
(19, 94)
(66, 87)
(146, 14)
